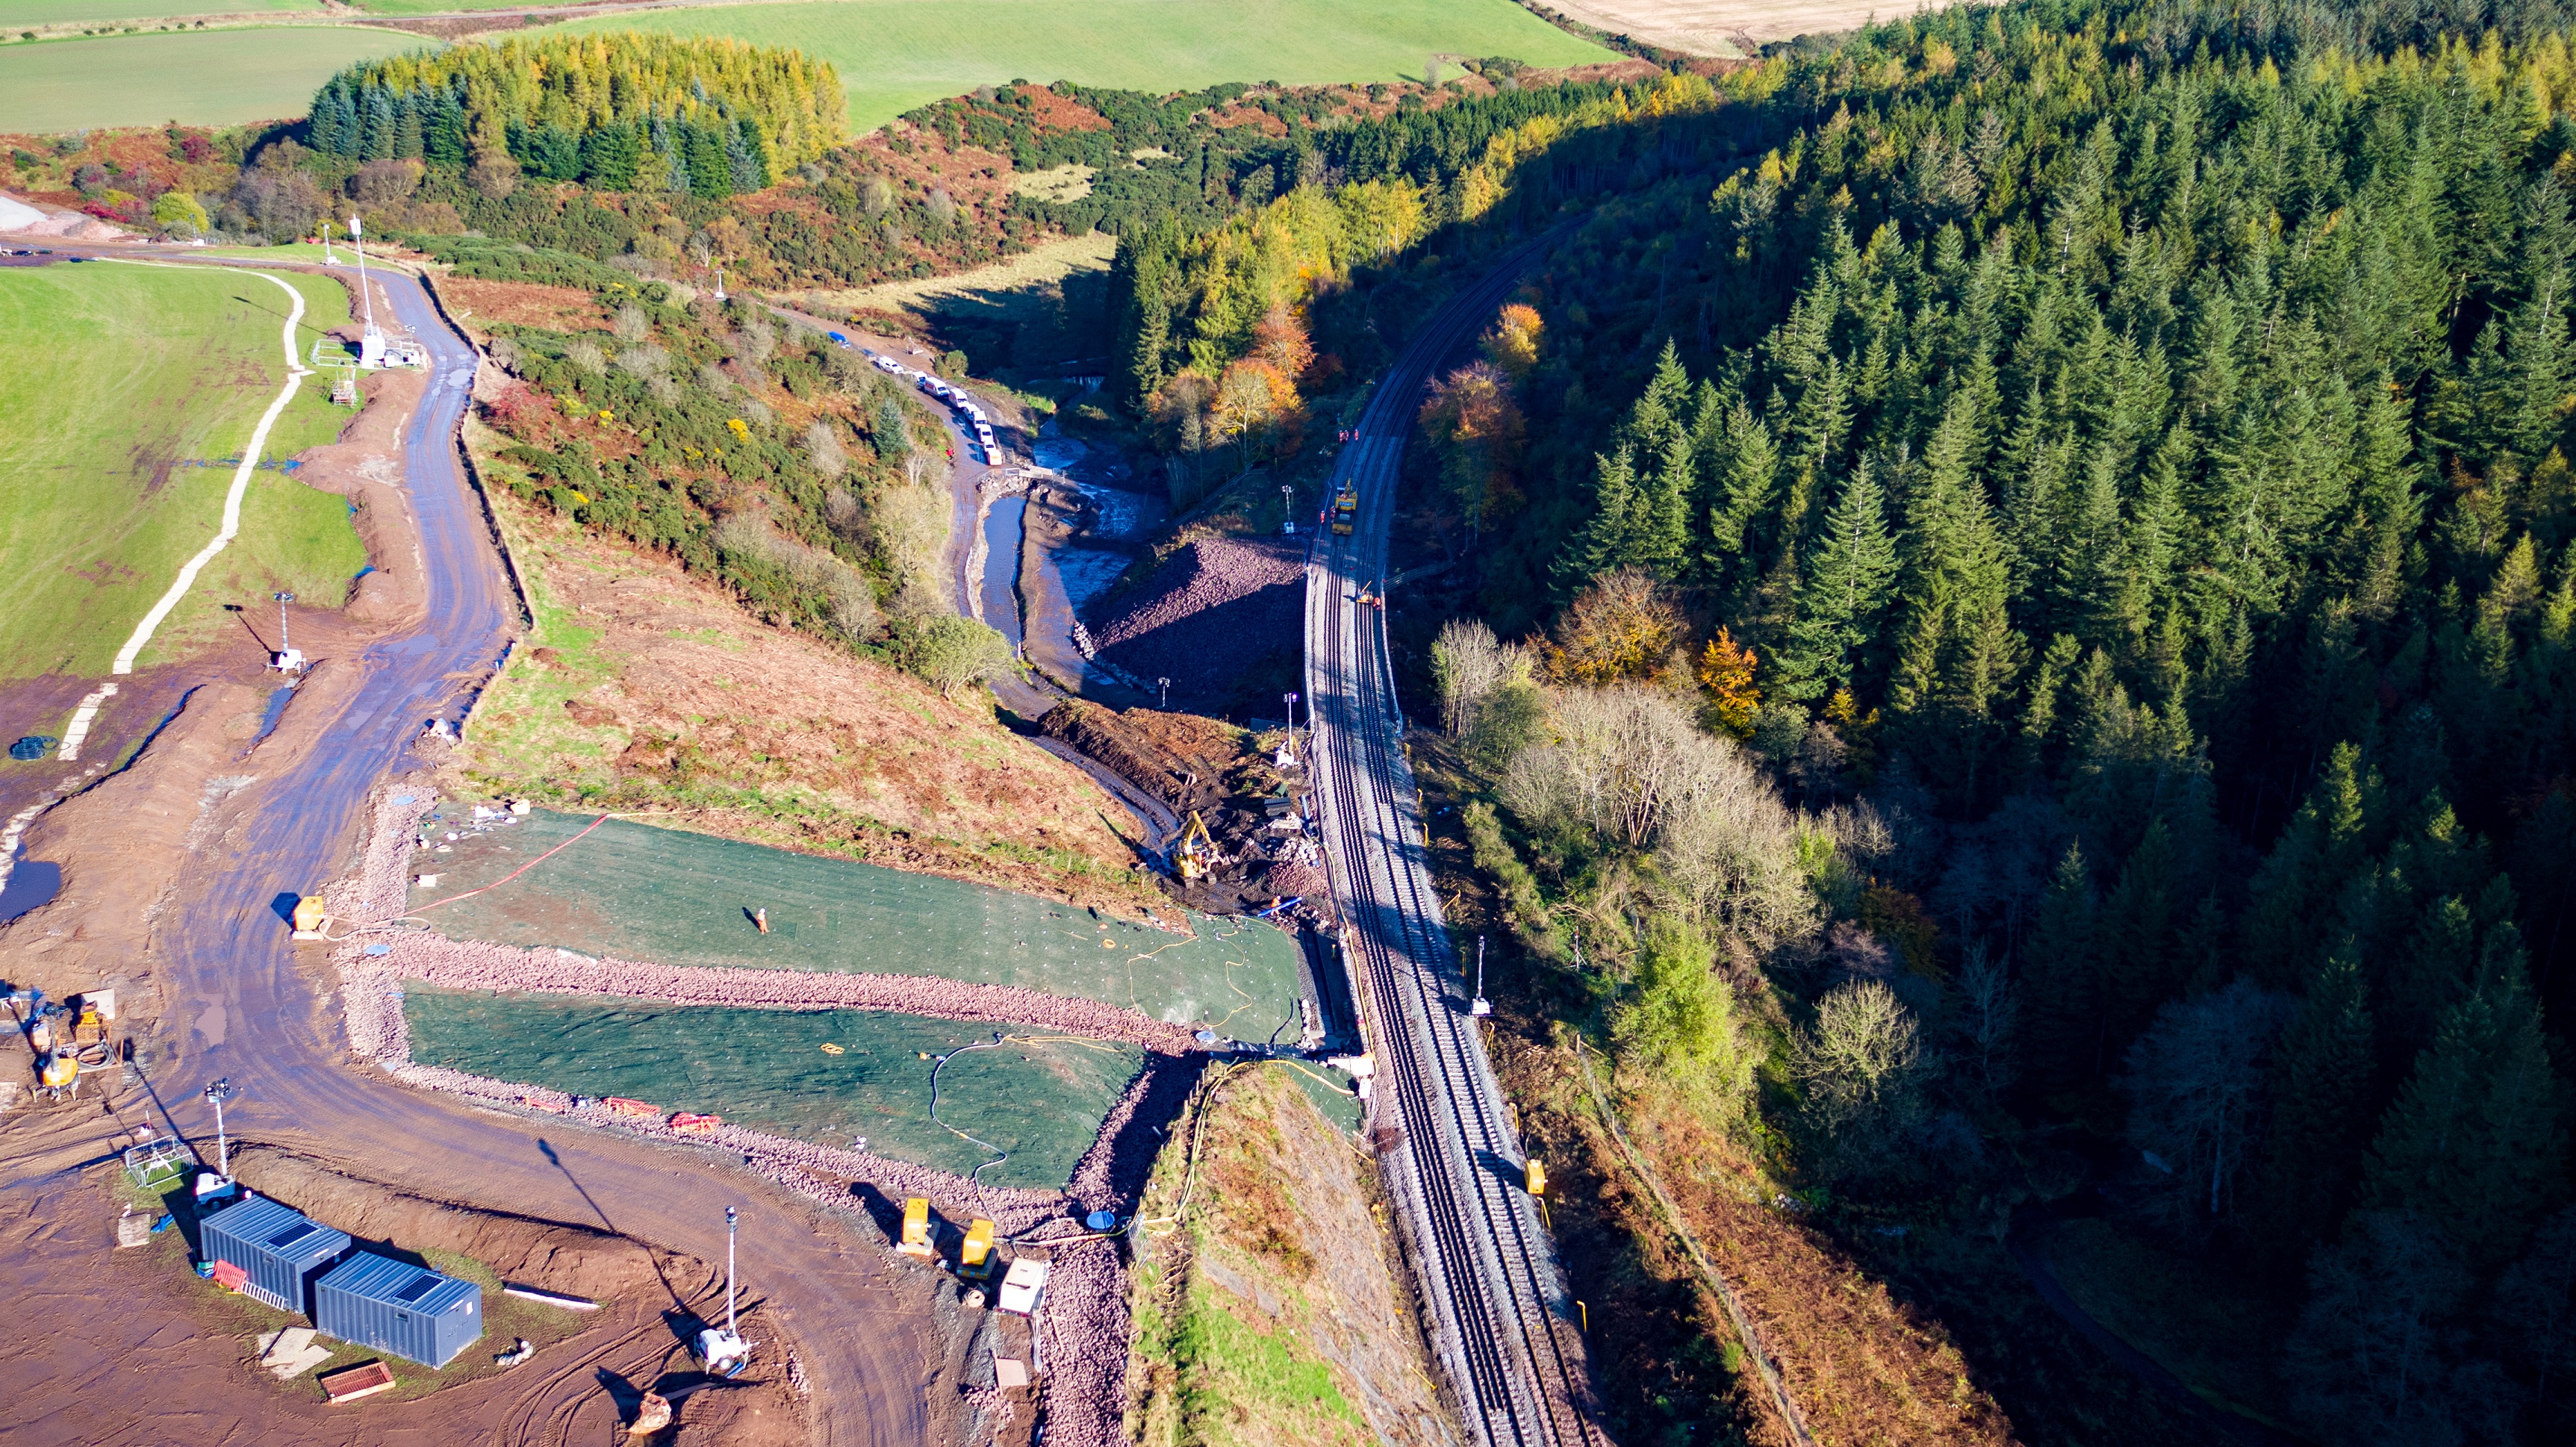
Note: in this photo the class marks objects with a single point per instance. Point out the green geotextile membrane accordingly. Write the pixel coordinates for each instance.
(1039, 1097)
(666, 897)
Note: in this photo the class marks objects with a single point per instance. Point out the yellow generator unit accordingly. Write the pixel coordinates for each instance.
(916, 1230)
(976, 1260)
(1534, 1176)
(309, 917)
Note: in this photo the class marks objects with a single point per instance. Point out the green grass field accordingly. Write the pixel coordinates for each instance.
(35, 14)
(203, 78)
(109, 372)
(433, 7)
(894, 55)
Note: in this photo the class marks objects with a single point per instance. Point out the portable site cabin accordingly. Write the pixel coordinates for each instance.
(393, 1306)
(278, 1248)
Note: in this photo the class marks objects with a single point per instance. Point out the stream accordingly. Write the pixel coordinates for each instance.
(1034, 586)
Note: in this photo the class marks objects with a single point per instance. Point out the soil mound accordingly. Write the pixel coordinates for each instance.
(1222, 619)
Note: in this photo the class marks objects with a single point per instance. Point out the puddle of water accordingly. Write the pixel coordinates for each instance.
(31, 882)
(1057, 453)
(277, 702)
(1002, 566)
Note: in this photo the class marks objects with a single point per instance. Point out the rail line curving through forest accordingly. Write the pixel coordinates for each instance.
(1499, 1313)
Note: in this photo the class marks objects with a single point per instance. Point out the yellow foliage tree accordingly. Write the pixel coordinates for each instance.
(1726, 671)
(1512, 343)
(1625, 626)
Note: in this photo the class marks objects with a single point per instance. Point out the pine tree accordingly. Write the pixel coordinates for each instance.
(1843, 595)
(2427, 975)
(2477, 1140)
(2060, 960)
(2307, 867)
(376, 141)
(2140, 966)
(1608, 541)
(1744, 494)
(2323, 1098)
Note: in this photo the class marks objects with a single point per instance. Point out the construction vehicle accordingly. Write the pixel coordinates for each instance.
(310, 920)
(1346, 511)
(976, 1259)
(1370, 596)
(1195, 853)
(916, 1230)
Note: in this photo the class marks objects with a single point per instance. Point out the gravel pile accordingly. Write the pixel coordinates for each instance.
(1084, 1392)
(477, 965)
(1213, 608)
(1111, 1175)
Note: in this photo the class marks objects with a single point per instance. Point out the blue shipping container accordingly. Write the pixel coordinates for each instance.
(395, 1307)
(280, 1249)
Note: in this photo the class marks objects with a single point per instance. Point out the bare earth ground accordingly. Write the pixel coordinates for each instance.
(121, 842)
(644, 689)
(1723, 27)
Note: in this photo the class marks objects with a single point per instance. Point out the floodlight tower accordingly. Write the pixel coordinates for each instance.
(722, 1348)
(371, 342)
(216, 1095)
(289, 657)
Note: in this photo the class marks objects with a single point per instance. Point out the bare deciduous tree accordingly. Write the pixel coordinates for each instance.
(841, 591)
(823, 449)
(2195, 1086)
(1630, 766)
(1469, 663)
(1989, 1012)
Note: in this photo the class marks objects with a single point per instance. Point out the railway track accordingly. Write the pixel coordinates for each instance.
(1499, 1313)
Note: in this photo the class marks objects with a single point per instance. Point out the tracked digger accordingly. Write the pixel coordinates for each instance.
(1194, 853)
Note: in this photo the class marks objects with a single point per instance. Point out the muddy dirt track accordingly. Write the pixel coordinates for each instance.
(241, 1005)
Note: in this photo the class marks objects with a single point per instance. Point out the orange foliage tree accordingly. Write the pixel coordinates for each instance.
(1253, 400)
(1279, 338)
(1625, 626)
(1726, 671)
(1477, 431)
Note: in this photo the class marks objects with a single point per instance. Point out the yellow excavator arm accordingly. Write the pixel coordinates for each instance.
(1195, 850)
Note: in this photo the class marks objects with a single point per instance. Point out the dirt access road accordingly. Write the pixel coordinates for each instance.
(242, 1006)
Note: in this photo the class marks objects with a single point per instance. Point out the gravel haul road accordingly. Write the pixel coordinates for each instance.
(242, 1007)
(1500, 1316)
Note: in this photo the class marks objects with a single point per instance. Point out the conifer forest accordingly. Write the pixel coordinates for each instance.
(2017, 646)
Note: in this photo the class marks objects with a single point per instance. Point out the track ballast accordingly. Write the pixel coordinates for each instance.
(1499, 1314)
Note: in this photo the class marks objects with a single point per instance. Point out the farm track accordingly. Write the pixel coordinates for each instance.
(1496, 1303)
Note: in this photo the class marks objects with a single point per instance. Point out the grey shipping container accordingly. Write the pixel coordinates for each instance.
(278, 1247)
(393, 1306)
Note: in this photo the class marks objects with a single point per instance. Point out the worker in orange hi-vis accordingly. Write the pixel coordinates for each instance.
(760, 917)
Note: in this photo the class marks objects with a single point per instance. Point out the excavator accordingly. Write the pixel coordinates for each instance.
(1194, 852)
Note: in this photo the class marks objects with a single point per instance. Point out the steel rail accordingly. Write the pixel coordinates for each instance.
(1496, 1303)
